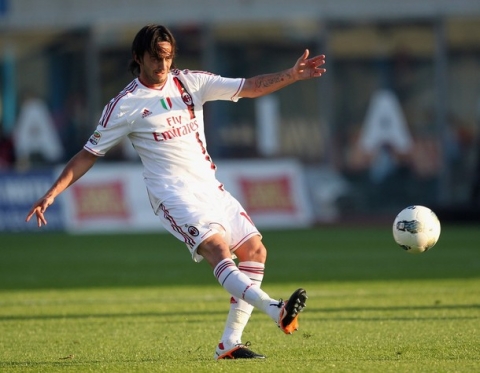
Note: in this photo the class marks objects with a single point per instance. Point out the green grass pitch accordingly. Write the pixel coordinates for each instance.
(138, 303)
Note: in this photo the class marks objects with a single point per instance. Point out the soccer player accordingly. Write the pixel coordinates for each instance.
(161, 112)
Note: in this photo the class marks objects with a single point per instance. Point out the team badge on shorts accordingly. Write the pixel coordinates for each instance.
(193, 231)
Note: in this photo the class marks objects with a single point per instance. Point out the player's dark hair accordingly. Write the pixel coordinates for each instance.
(147, 40)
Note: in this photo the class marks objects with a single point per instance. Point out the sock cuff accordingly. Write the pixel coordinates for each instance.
(254, 270)
(223, 269)
(251, 264)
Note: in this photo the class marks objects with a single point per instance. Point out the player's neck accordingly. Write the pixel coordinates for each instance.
(157, 86)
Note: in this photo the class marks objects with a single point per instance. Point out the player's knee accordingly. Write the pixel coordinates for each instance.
(253, 250)
(259, 254)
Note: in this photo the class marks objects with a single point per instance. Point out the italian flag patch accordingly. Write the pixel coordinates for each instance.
(166, 103)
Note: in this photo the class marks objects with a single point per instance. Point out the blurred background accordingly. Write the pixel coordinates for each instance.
(395, 120)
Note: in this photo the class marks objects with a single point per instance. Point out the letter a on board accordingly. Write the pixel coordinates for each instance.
(385, 124)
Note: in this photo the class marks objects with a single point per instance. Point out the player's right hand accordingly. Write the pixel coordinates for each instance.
(39, 209)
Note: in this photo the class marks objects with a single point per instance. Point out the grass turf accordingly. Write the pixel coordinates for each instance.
(137, 303)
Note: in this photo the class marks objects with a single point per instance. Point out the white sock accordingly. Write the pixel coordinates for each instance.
(240, 310)
(241, 287)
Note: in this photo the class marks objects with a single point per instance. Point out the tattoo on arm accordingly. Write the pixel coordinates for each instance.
(267, 81)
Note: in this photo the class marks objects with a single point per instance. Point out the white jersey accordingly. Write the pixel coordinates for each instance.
(166, 128)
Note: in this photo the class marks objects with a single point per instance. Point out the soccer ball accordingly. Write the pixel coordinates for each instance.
(416, 229)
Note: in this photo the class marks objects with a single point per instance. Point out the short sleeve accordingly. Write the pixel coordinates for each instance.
(212, 87)
(111, 130)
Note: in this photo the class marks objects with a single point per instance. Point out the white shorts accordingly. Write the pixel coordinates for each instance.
(193, 217)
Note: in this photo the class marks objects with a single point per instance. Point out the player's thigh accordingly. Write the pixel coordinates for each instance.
(190, 221)
(245, 239)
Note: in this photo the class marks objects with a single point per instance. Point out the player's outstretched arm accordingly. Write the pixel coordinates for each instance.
(305, 68)
(74, 170)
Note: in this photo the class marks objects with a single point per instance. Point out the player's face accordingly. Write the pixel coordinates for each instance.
(154, 69)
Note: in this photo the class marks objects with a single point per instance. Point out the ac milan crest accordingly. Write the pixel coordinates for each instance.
(193, 231)
(187, 99)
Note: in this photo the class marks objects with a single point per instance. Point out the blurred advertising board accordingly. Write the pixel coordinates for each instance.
(18, 191)
(273, 192)
(109, 198)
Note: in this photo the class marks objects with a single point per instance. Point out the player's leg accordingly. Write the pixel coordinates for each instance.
(248, 247)
(217, 253)
(245, 294)
(285, 314)
(251, 256)
(287, 319)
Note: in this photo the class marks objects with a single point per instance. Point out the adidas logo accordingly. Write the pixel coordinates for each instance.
(146, 113)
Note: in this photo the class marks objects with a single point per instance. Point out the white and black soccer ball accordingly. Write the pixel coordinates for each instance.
(416, 229)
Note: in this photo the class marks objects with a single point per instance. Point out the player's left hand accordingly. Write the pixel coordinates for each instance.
(307, 68)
